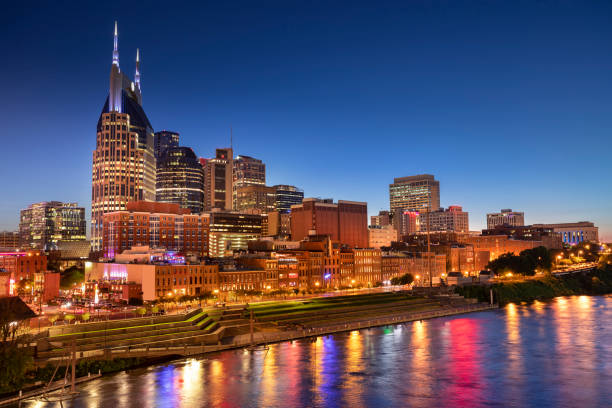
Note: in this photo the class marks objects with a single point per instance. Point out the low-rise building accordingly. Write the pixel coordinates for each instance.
(573, 233)
(381, 236)
(23, 265)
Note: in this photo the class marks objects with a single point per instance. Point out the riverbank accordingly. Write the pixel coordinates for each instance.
(598, 282)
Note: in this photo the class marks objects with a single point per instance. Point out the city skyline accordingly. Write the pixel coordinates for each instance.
(513, 181)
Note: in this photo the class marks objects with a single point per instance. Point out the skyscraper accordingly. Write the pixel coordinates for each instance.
(218, 180)
(286, 196)
(124, 160)
(248, 171)
(42, 225)
(162, 140)
(180, 179)
(415, 193)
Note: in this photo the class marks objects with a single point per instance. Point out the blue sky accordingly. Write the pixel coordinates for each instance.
(506, 103)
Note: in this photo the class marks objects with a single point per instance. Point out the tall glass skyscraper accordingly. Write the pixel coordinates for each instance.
(180, 179)
(123, 161)
(42, 225)
(286, 196)
(163, 140)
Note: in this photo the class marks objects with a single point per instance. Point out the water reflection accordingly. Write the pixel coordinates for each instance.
(545, 354)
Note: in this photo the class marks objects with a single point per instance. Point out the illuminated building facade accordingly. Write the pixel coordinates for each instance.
(406, 222)
(23, 265)
(415, 193)
(43, 224)
(180, 179)
(505, 217)
(248, 171)
(453, 219)
(346, 221)
(258, 198)
(574, 232)
(156, 225)
(381, 236)
(218, 180)
(383, 218)
(231, 231)
(9, 240)
(123, 162)
(163, 140)
(286, 196)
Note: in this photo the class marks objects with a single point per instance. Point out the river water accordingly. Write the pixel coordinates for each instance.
(553, 354)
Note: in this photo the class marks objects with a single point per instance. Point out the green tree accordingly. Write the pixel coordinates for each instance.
(71, 276)
(85, 316)
(14, 356)
(405, 279)
(141, 311)
(69, 318)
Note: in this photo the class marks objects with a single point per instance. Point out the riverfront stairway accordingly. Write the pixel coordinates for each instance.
(196, 327)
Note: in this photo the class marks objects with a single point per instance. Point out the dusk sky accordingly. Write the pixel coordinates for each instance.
(508, 104)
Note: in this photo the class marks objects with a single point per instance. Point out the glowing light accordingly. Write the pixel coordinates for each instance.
(96, 296)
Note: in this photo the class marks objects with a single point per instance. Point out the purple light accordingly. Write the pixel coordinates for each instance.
(327, 276)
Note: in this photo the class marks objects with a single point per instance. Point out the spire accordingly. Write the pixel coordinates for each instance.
(137, 74)
(116, 48)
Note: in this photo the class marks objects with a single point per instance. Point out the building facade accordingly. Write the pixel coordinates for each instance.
(505, 217)
(23, 265)
(381, 236)
(180, 179)
(346, 221)
(257, 198)
(218, 180)
(574, 232)
(43, 224)
(156, 225)
(163, 140)
(453, 219)
(232, 231)
(9, 241)
(415, 193)
(383, 218)
(124, 159)
(248, 171)
(286, 196)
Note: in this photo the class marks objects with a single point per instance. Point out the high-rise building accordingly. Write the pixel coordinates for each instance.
(123, 161)
(180, 179)
(43, 224)
(346, 221)
(258, 198)
(286, 196)
(163, 140)
(248, 171)
(218, 180)
(453, 219)
(505, 217)
(415, 193)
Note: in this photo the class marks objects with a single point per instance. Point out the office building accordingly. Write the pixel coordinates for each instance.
(415, 193)
(381, 236)
(286, 196)
(574, 232)
(43, 224)
(248, 171)
(255, 198)
(124, 159)
(218, 180)
(547, 235)
(406, 222)
(23, 265)
(156, 225)
(163, 140)
(383, 218)
(346, 221)
(453, 219)
(9, 241)
(278, 225)
(180, 179)
(231, 231)
(505, 217)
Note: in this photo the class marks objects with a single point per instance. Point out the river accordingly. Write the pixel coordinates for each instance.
(545, 354)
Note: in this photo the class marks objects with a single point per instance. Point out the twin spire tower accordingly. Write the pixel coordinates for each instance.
(123, 162)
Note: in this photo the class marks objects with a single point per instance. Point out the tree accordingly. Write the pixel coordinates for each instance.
(52, 318)
(14, 354)
(85, 316)
(405, 279)
(141, 311)
(71, 276)
(69, 318)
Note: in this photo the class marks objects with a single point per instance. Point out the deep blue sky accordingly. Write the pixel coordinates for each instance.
(508, 104)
